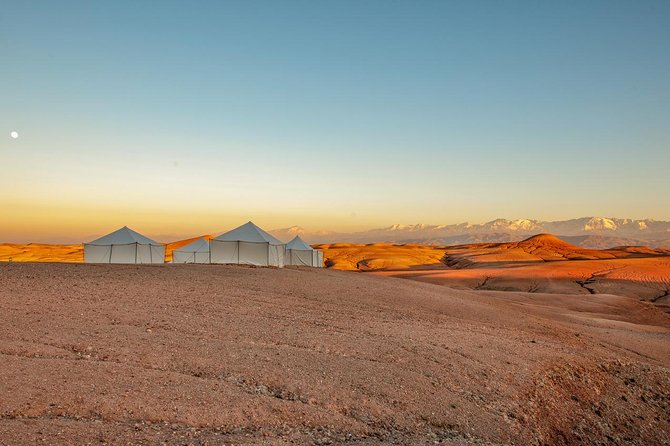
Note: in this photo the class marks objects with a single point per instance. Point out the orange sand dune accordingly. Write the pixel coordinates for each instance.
(542, 264)
(381, 256)
(537, 249)
(38, 252)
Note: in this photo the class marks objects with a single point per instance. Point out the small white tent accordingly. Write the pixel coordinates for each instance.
(194, 252)
(247, 245)
(124, 246)
(300, 253)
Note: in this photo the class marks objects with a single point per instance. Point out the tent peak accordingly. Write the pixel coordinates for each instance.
(124, 236)
(299, 244)
(249, 232)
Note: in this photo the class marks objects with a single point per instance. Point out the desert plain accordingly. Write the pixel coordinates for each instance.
(533, 342)
(542, 263)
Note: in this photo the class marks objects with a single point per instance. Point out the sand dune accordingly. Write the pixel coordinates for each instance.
(543, 264)
(39, 252)
(539, 248)
(198, 354)
(381, 256)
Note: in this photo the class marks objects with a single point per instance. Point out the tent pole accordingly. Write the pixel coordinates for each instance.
(111, 247)
(136, 253)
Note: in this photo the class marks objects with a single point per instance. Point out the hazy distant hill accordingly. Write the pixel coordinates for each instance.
(588, 232)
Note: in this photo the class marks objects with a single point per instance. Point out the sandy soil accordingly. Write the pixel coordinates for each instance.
(198, 354)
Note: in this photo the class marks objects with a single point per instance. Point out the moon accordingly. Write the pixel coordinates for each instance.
(14, 134)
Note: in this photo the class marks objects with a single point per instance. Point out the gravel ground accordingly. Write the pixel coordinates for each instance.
(205, 354)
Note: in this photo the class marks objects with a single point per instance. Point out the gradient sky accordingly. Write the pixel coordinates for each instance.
(193, 117)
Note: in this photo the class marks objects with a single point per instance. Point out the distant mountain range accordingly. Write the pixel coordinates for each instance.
(588, 232)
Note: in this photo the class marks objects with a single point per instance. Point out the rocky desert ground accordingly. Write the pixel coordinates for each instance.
(534, 342)
(210, 354)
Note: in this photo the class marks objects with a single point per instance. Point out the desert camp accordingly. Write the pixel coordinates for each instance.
(247, 244)
(124, 246)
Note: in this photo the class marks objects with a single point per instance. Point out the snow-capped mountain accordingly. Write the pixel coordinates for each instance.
(287, 234)
(601, 231)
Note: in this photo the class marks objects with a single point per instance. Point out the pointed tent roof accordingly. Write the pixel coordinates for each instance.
(248, 232)
(124, 236)
(298, 244)
(200, 245)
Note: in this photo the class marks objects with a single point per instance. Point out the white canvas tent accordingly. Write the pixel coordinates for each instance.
(300, 253)
(124, 246)
(194, 252)
(247, 245)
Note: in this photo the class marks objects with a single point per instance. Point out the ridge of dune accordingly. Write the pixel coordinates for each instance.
(548, 240)
(538, 248)
(549, 247)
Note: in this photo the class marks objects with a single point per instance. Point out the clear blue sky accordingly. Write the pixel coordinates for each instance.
(332, 115)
